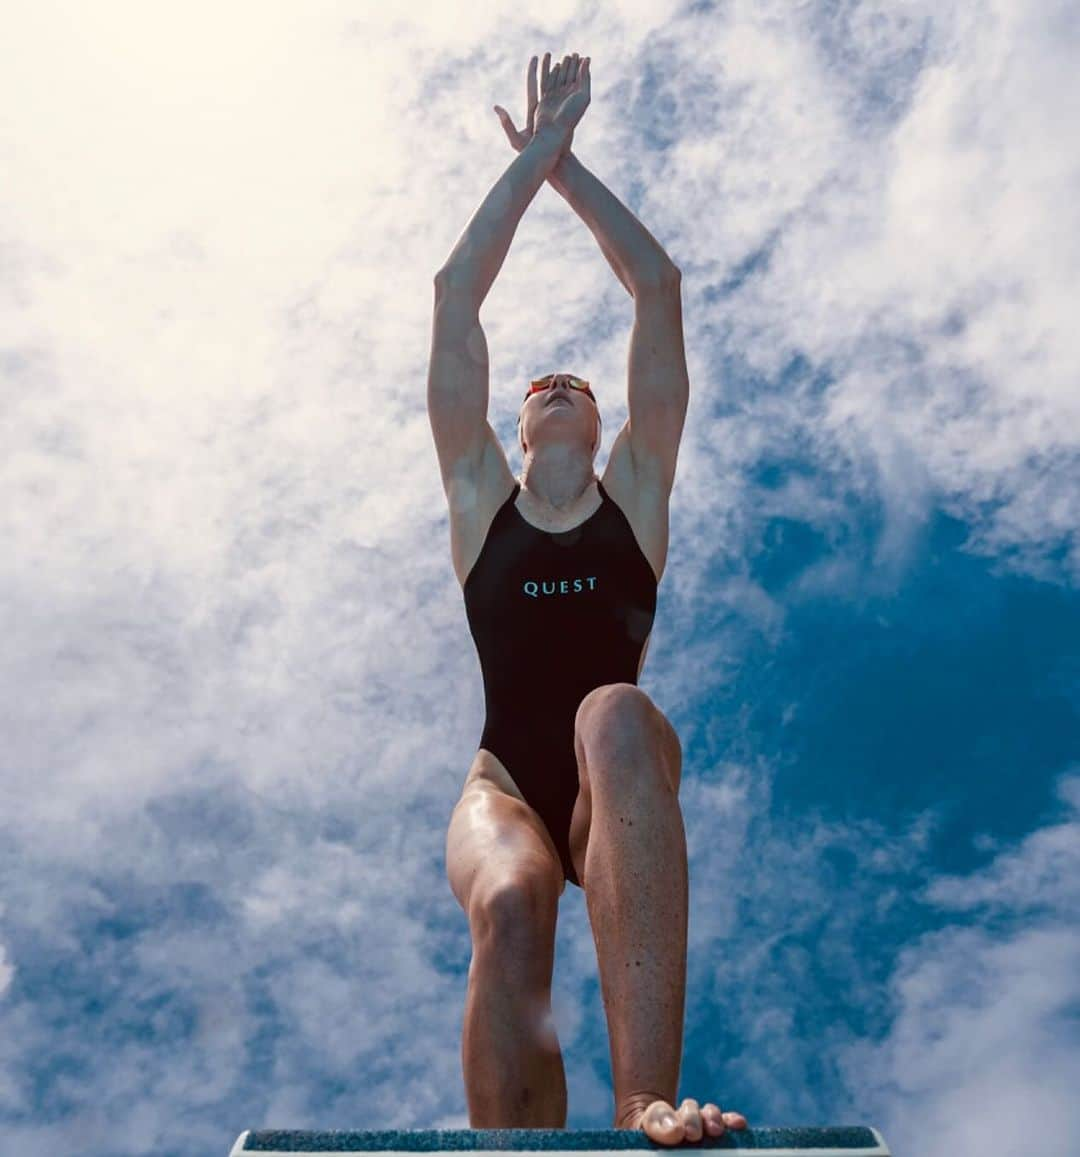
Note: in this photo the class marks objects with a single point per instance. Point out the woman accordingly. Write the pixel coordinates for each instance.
(578, 770)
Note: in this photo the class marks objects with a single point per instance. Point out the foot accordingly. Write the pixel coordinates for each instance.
(688, 1123)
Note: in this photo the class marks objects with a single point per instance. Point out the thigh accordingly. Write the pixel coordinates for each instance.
(670, 747)
(496, 839)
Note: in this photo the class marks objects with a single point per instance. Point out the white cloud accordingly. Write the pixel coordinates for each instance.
(240, 695)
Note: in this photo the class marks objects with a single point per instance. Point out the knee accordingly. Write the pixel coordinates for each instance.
(614, 707)
(622, 721)
(516, 910)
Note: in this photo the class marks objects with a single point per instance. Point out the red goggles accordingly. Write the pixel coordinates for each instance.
(545, 384)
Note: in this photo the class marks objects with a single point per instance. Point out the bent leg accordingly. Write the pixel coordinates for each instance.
(506, 874)
(636, 889)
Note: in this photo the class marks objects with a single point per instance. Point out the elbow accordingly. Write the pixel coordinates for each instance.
(666, 275)
(454, 275)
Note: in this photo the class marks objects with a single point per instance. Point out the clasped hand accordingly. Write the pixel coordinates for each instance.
(565, 92)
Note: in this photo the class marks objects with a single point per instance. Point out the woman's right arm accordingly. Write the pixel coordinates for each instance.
(481, 250)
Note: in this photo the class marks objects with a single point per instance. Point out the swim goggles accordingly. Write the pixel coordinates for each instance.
(545, 383)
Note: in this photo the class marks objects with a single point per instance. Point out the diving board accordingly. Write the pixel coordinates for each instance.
(828, 1141)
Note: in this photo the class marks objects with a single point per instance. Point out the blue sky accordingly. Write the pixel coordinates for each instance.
(240, 695)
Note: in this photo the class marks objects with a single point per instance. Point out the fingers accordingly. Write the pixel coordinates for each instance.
(573, 69)
(512, 135)
(531, 97)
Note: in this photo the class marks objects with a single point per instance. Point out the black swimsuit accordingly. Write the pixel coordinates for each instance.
(553, 615)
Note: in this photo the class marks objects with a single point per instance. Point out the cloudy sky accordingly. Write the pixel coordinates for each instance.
(238, 689)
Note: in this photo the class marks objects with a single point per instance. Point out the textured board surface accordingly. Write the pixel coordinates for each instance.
(831, 1141)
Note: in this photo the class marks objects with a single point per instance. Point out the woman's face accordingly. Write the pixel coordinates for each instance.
(564, 412)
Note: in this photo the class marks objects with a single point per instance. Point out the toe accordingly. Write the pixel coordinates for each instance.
(713, 1120)
(690, 1114)
(656, 1126)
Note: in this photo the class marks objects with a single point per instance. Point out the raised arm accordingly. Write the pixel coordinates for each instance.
(658, 385)
(481, 250)
(458, 368)
(634, 254)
